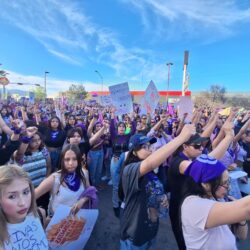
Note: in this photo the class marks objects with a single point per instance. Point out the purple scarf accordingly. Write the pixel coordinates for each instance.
(72, 181)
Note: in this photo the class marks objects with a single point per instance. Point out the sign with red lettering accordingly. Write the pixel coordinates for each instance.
(70, 232)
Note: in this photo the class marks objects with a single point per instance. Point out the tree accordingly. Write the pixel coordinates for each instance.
(76, 92)
(217, 93)
(39, 93)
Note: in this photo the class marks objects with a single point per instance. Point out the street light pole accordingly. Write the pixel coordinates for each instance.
(45, 84)
(100, 75)
(169, 64)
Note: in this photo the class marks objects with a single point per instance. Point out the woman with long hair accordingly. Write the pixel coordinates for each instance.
(34, 158)
(18, 211)
(204, 214)
(54, 140)
(67, 184)
(141, 190)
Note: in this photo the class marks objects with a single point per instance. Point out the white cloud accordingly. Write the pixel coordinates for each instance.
(65, 27)
(206, 19)
(64, 57)
(53, 85)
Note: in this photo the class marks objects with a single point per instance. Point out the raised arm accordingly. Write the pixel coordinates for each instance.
(209, 128)
(90, 127)
(30, 131)
(224, 144)
(160, 155)
(97, 135)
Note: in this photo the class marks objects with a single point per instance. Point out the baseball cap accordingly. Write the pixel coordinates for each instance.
(196, 139)
(139, 139)
(205, 168)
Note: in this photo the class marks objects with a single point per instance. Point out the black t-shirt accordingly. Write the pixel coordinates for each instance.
(176, 180)
(135, 224)
(54, 139)
(84, 147)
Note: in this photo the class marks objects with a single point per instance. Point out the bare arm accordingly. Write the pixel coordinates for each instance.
(90, 127)
(242, 131)
(208, 130)
(236, 211)
(48, 165)
(97, 135)
(159, 156)
(222, 147)
(45, 186)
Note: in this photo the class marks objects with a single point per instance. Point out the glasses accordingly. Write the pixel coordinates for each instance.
(226, 184)
(144, 118)
(196, 146)
(146, 146)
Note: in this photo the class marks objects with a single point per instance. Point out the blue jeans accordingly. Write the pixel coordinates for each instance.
(95, 164)
(115, 169)
(55, 157)
(107, 161)
(128, 245)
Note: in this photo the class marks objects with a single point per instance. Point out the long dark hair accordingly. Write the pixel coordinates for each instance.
(41, 147)
(79, 171)
(72, 132)
(59, 122)
(130, 158)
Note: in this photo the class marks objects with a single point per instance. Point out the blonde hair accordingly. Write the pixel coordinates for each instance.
(9, 173)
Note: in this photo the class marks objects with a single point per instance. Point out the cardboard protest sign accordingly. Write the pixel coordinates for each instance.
(70, 232)
(185, 106)
(150, 100)
(106, 100)
(121, 98)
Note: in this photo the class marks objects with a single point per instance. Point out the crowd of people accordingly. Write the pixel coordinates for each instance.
(52, 153)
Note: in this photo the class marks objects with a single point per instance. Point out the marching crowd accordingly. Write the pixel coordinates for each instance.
(158, 164)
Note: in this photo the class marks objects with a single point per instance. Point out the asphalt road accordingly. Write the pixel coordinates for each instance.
(105, 235)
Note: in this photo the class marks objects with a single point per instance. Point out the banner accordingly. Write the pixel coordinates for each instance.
(185, 106)
(70, 232)
(150, 99)
(121, 98)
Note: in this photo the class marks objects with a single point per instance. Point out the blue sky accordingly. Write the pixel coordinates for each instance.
(126, 40)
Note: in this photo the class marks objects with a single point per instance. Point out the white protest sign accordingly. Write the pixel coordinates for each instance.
(121, 98)
(150, 100)
(70, 232)
(186, 106)
(106, 100)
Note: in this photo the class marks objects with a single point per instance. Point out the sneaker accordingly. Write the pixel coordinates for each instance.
(110, 183)
(104, 178)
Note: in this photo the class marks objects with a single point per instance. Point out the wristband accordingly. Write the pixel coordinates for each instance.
(17, 131)
(26, 139)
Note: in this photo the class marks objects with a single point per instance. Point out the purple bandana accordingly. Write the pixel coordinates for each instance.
(72, 181)
(205, 168)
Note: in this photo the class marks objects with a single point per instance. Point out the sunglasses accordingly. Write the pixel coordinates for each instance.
(196, 146)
